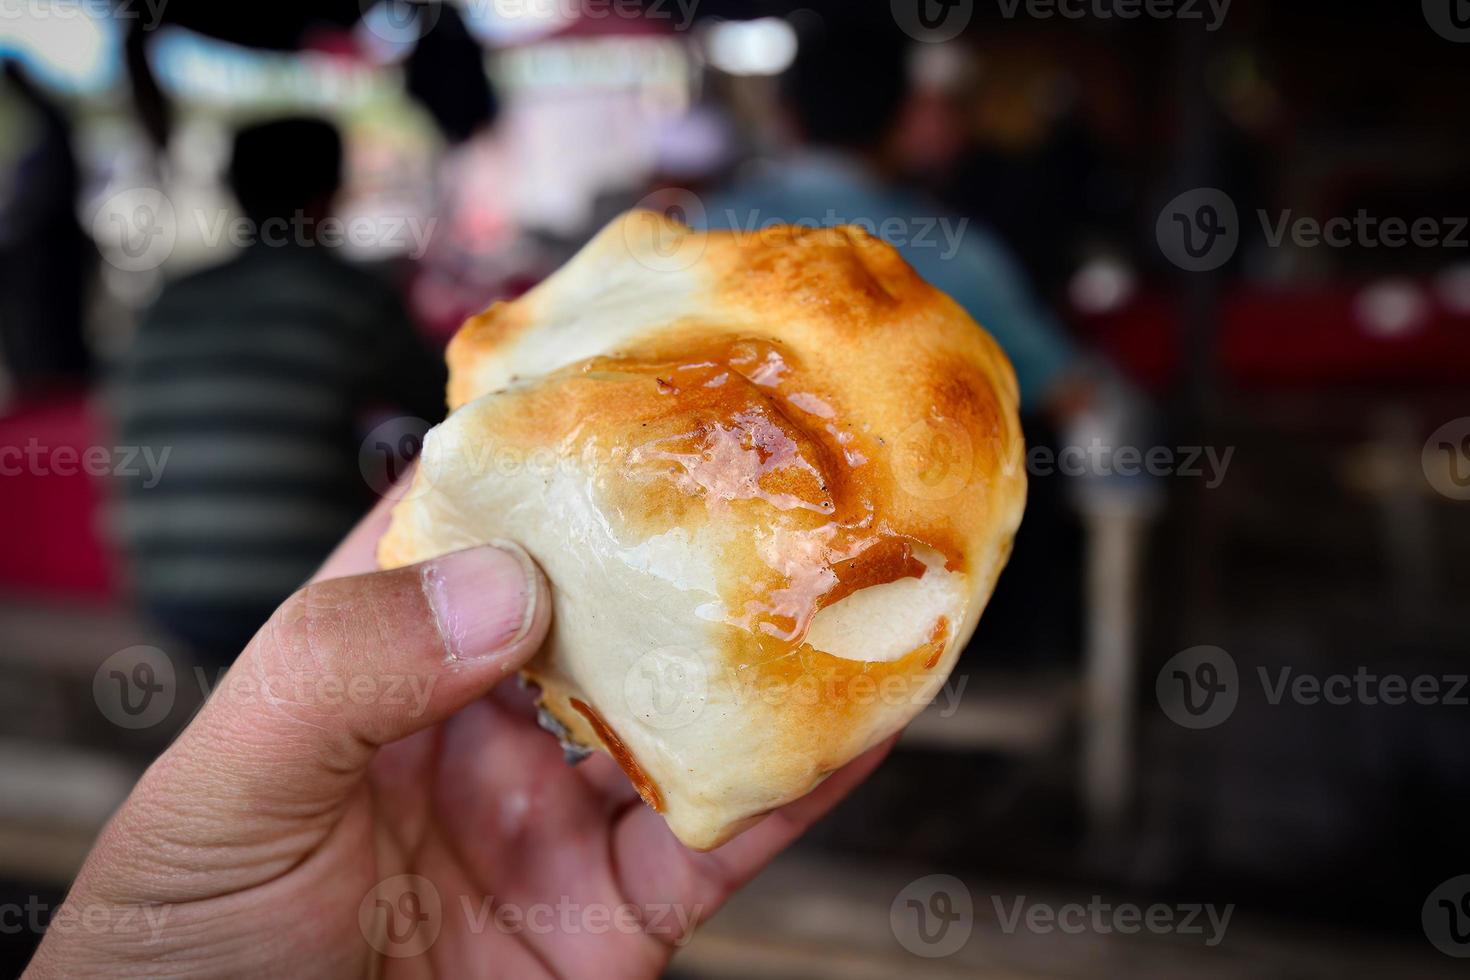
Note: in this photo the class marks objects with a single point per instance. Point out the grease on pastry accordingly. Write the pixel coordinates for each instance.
(771, 476)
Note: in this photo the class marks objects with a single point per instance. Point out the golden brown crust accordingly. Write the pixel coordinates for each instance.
(784, 423)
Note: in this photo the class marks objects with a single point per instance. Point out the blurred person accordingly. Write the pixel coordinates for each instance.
(846, 90)
(481, 251)
(245, 383)
(45, 257)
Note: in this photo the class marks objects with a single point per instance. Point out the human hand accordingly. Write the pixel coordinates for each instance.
(362, 795)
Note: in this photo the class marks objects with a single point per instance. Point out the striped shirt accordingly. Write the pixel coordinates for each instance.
(252, 377)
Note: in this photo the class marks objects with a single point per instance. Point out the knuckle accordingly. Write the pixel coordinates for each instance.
(310, 629)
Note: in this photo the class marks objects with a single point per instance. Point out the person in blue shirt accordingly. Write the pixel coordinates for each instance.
(846, 90)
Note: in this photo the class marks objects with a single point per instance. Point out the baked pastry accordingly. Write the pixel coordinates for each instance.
(771, 477)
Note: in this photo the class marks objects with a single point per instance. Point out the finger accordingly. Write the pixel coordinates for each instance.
(348, 665)
(656, 869)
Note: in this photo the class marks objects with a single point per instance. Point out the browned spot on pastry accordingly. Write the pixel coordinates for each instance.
(887, 561)
(820, 692)
(480, 336)
(936, 640)
(622, 756)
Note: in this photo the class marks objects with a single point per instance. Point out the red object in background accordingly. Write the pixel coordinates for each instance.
(1302, 336)
(52, 522)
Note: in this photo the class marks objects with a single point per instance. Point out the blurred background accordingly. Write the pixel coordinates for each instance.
(1221, 685)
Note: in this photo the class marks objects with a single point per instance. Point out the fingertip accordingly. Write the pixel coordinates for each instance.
(489, 602)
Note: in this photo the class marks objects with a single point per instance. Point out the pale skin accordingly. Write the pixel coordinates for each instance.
(251, 845)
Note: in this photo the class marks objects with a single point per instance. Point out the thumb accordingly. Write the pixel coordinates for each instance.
(347, 665)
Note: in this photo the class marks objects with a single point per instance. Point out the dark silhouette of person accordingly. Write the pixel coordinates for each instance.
(247, 382)
(46, 260)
